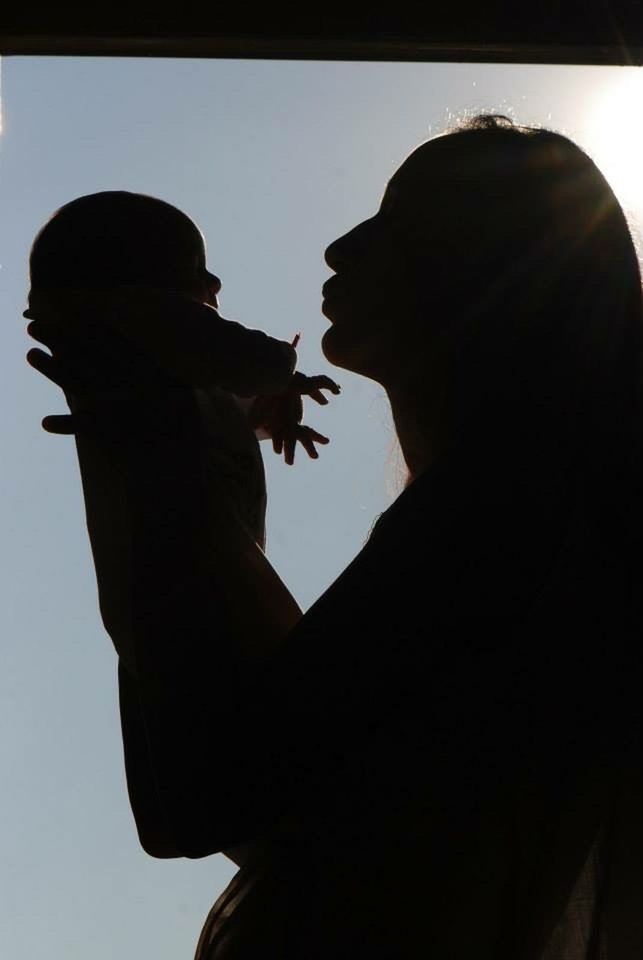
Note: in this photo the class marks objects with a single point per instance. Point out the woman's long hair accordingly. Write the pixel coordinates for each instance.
(545, 319)
(523, 259)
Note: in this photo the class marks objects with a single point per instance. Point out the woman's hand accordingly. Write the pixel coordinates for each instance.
(55, 370)
(280, 415)
(85, 364)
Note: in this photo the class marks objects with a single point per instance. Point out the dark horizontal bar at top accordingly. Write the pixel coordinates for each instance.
(549, 31)
(324, 48)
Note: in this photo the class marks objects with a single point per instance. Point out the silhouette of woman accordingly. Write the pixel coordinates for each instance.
(442, 757)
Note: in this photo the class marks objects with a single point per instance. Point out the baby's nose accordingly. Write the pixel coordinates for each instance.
(214, 284)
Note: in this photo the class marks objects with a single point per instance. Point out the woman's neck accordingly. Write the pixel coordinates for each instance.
(417, 414)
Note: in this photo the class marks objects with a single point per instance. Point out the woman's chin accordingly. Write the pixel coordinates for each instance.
(332, 348)
(343, 352)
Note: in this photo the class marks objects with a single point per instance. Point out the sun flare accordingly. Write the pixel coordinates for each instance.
(616, 138)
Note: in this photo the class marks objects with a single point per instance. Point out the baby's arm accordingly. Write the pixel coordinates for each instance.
(165, 337)
(184, 340)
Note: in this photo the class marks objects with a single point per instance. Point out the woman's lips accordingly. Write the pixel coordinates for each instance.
(328, 293)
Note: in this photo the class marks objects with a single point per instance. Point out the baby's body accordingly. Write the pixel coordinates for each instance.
(232, 459)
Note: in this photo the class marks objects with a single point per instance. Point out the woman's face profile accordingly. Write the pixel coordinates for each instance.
(373, 300)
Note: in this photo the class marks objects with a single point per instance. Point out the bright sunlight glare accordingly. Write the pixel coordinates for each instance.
(615, 139)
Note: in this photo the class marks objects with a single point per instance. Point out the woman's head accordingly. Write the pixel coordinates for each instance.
(500, 261)
(113, 238)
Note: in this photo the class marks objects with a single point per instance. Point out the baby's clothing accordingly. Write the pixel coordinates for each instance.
(232, 458)
(248, 363)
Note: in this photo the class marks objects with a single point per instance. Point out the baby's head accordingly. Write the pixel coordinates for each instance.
(116, 238)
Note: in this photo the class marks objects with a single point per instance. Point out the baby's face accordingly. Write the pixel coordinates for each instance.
(207, 285)
(207, 289)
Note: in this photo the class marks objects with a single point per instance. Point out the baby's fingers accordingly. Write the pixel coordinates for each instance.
(324, 383)
(309, 432)
(289, 449)
(308, 438)
(309, 447)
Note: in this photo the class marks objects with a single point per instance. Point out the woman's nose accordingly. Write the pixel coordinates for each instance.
(335, 254)
(347, 247)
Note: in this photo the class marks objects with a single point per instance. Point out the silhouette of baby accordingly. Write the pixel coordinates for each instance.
(128, 273)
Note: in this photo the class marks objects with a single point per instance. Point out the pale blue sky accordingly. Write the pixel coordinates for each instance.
(273, 160)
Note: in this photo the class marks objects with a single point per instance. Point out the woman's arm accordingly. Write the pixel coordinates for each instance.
(147, 509)
(196, 614)
(153, 828)
(139, 457)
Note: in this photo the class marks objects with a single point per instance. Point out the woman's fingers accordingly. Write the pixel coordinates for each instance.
(62, 424)
(52, 332)
(319, 397)
(49, 367)
(44, 363)
(37, 330)
(55, 370)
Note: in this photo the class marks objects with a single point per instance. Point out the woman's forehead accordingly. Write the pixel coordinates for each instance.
(444, 164)
(423, 168)
(436, 155)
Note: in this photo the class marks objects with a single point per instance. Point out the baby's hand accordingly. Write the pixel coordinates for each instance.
(280, 415)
